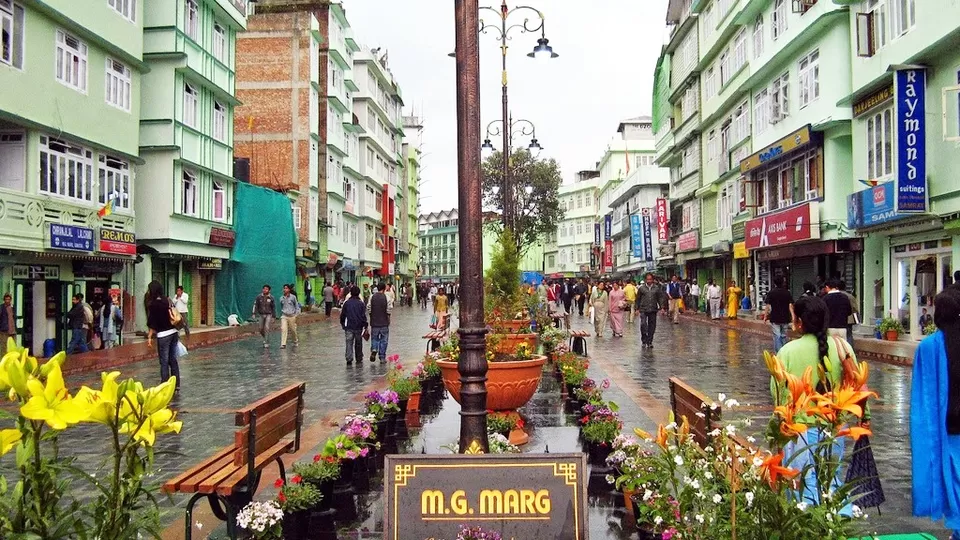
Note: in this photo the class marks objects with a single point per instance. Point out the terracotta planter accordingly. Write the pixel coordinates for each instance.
(507, 343)
(510, 385)
(892, 335)
(512, 326)
(413, 403)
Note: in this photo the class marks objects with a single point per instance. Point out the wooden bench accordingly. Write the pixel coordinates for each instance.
(578, 342)
(686, 400)
(434, 339)
(266, 430)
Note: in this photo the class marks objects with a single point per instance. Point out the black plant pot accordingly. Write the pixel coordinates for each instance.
(361, 473)
(597, 456)
(571, 388)
(326, 493)
(380, 428)
(391, 425)
(296, 525)
(403, 406)
(344, 484)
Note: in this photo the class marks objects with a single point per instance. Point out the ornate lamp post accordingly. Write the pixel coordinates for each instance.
(520, 127)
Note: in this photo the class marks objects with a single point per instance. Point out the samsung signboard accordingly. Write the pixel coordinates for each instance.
(873, 206)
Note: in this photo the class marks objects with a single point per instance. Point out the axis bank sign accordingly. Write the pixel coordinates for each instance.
(794, 224)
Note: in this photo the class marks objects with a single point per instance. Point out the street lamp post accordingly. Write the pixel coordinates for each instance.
(542, 50)
(520, 127)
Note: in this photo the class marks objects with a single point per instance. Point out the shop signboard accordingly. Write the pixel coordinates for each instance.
(647, 236)
(71, 237)
(119, 242)
(872, 206)
(910, 93)
(607, 227)
(872, 101)
(636, 235)
(794, 141)
(688, 241)
(518, 495)
(210, 264)
(663, 221)
(596, 234)
(740, 250)
(222, 237)
(608, 256)
(794, 224)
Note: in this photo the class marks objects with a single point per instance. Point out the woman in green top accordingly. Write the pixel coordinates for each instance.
(812, 349)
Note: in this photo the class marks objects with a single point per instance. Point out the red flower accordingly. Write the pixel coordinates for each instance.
(278, 483)
(281, 497)
(296, 479)
(317, 458)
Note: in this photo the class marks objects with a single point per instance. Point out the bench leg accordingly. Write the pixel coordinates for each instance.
(188, 525)
(283, 472)
(433, 345)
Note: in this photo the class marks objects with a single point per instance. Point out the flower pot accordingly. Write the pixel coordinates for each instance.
(510, 385)
(511, 326)
(598, 453)
(344, 484)
(892, 335)
(380, 428)
(296, 525)
(361, 473)
(326, 496)
(507, 343)
(426, 386)
(413, 403)
(402, 403)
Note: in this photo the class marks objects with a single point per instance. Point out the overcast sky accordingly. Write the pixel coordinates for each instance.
(608, 51)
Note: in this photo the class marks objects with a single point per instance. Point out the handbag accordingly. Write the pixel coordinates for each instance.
(181, 350)
(433, 321)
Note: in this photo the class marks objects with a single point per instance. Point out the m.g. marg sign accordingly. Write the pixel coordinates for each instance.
(521, 496)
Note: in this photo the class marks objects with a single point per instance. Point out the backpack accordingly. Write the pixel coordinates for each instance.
(88, 315)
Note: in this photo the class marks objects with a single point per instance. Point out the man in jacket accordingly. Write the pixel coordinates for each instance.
(854, 312)
(580, 292)
(839, 307)
(265, 307)
(379, 324)
(77, 320)
(650, 300)
(289, 309)
(8, 323)
(567, 291)
(675, 295)
(353, 320)
(328, 294)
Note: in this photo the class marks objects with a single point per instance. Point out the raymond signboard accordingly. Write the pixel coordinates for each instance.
(911, 100)
(663, 221)
(795, 224)
(519, 495)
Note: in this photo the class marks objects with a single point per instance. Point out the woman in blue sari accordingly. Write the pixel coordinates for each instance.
(935, 417)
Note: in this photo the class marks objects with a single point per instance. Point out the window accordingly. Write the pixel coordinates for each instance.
(11, 33)
(369, 237)
(297, 216)
(725, 207)
(809, 78)
(741, 124)
(709, 22)
(903, 17)
(219, 122)
(552, 261)
(778, 19)
(66, 169)
(219, 43)
(779, 98)
(191, 18)
(114, 180)
(127, 8)
(71, 61)
(712, 150)
(691, 216)
(579, 200)
(580, 226)
(739, 51)
(220, 202)
(117, 85)
(880, 144)
(188, 194)
(379, 202)
(725, 72)
(690, 101)
(878, 18)
(758, 37)
(711, 84)
(190, 98)
(353, 234)
(761, 111)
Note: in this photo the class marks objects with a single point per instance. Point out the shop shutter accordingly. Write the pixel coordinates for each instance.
(803, 269)
(709, 219)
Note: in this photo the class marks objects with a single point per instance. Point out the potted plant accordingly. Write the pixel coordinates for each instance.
(477, 533)
(497, 443)
(890, 328)
(262, 520)
(296, 499)
(551, 338)
(503, 422)
(590, 392)
(321, 472)
(574, 373)
(600, 425)
(406, 386)
(382, 406)
(346, 451)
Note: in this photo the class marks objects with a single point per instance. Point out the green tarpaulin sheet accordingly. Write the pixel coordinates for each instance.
(263, 252)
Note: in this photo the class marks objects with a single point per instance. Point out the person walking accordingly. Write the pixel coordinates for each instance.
(289, 309)
(675, 296)
(650, 300)
(567, 292)
(854, 317)
(580, 295)
(77, 321)
(778, 311)
(600, 302)
(733, 299)
(111, 321)
(714, 296)
(379, 309)
(181, 301)
(630, 296)
(389, 293)
(328, 293)
(839, 308)
(265, 307)
(8, 323)
(694, 296)
(618, 304)
(353, 320)
(440, 308)
(160, 325)
(935, 416)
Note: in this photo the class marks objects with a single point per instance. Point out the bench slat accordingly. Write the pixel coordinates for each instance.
(225, 486)
(269, 403)
(173, 485)
(216, 468)
(270, 429)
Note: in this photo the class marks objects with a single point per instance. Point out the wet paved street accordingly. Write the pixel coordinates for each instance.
(218, 380)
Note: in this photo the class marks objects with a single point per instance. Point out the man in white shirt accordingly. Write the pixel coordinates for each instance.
(694, 296)
(391, 297)
(182, 302)
(714, 294)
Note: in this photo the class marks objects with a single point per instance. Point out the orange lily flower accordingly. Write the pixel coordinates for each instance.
(854, 432)
(684, 430)
(847, 399)
(772, 469)
(662, 436)
(855, 375)
(642, 434)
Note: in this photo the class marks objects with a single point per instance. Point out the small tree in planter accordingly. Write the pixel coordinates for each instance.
(890, 328)
(503, 422)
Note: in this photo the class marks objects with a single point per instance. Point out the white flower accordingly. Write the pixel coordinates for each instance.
(199, 526)
(657, 520)
(647, 494)
(802, 506)
(751, 440)
(708, 475)
(722, 397)
(747, 422)
(757, 462)
(699, 517)
(714, 433)
(695, 484)
(731, 429)
(678, 460)
(701, 415)
(731, 403)
(830, 517)
(671, 426)
(717, 498)
(857, 512)
(749, 497)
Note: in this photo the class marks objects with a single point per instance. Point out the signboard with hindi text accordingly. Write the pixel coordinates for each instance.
(793, 224)
(522, 496)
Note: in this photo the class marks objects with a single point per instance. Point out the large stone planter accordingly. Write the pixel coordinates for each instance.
(512, 326)
(510, 385)
(507, 343)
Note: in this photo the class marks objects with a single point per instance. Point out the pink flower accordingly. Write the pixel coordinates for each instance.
(364, 451)
(350, 454)
(668, 534)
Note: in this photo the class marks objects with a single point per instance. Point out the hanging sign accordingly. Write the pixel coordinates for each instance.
(636, 235)
(607, 227)
(608, 256)
(663, 221)
(71, 237)
(596, 234)
(120, 242)
(647, 237)
(911, 98)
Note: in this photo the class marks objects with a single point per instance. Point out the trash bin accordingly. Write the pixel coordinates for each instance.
(49, 348)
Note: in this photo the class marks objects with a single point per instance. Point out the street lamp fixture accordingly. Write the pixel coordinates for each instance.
(487, 146)
(543, 50)
(535, 145)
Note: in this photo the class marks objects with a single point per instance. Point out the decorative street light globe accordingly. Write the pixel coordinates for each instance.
(543, 50)
(535, 145)
(487, 147)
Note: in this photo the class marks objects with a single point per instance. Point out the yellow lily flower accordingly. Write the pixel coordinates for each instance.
(102, 404)
(52, 402)
(16, 371)
(159, 396)
(8, 439)
(161, 421)
(57, 359)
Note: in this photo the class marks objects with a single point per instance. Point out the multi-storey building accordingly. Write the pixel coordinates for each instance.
(185, 184)
(377, 105)
(281, 142)
(439, 246)
(905, 129)
(409, 216)
(571, 251)
(71, 75)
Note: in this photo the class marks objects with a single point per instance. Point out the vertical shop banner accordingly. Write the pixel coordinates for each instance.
(596, 234)
(608, 256)
(607, 227)
(636, 236)
(647, 237)
(663, 221)
(911, 97)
